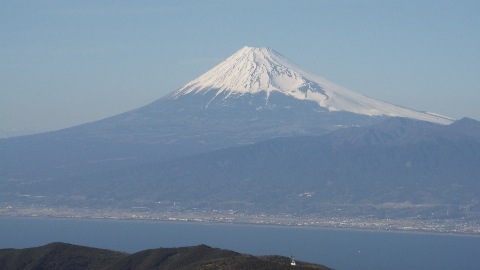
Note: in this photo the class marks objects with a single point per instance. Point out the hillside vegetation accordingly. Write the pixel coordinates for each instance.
(57, 256)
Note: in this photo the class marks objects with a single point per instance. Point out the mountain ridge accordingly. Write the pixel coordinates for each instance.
(59, 256)
(389, 163)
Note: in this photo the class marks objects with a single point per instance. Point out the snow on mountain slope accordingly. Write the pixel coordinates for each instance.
(254, 70)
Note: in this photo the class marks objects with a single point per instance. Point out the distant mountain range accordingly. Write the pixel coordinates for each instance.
(61, 256)
(257, 134)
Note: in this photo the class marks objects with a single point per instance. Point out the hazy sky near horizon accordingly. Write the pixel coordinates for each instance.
(64, 63)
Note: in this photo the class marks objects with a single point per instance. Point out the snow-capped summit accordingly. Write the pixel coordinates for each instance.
(249, 70)
(263, 71)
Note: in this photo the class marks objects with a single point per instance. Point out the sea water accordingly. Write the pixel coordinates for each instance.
(339, 249)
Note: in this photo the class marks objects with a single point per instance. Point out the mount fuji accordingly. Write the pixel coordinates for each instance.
(255, 132)
(254, 95)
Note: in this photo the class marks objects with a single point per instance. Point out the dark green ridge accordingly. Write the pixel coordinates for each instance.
(73, 257)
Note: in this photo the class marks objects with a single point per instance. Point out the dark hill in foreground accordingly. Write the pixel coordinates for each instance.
(67, 256)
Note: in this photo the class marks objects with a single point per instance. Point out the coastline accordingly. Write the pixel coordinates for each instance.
(408, 226)
(342, 248)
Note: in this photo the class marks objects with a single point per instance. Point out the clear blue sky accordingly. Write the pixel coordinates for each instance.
(63, 63)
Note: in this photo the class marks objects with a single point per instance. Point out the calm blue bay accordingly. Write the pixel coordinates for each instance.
(339, 249)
